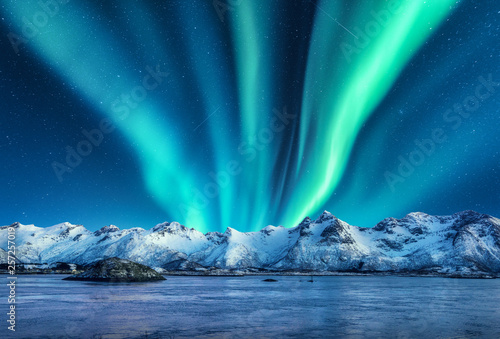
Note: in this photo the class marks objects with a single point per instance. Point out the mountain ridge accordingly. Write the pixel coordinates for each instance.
(464, 243)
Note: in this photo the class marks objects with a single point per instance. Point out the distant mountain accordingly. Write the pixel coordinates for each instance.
(464, 243)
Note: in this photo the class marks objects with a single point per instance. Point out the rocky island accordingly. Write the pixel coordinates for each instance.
(117, 270)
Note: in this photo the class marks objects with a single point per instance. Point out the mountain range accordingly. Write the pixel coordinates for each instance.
(462, 244)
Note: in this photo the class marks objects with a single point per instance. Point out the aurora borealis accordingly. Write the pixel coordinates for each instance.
(242, 114)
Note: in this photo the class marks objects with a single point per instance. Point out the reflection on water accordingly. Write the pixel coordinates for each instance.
(248, 307)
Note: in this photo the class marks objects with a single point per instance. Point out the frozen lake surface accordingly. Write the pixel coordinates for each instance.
(247, 307)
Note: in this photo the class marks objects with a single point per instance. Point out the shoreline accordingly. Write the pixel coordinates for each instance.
(479, 275)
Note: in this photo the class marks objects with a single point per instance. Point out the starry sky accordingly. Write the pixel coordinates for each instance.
(235, 113)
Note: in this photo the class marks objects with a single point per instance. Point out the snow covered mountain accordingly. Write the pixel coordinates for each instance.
(463, 243)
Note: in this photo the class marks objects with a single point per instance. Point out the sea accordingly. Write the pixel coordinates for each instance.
(248, 307)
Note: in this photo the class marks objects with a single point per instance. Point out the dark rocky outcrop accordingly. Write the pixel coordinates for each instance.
(106, 230)
(117, 270)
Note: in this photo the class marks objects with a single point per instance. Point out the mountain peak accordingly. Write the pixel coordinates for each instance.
(17, 224)
(470, 214)
(306, 222)
(66, 225)
(170, 227)
(160, 226)
(106, 229)
(415, 215)
(324, 217)
(233, 232)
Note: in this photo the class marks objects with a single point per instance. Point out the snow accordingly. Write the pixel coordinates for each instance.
(466, 240)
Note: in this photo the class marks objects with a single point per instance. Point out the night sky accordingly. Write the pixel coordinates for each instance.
(237, 113)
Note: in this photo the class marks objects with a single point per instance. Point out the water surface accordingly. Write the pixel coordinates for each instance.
(187, 307)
